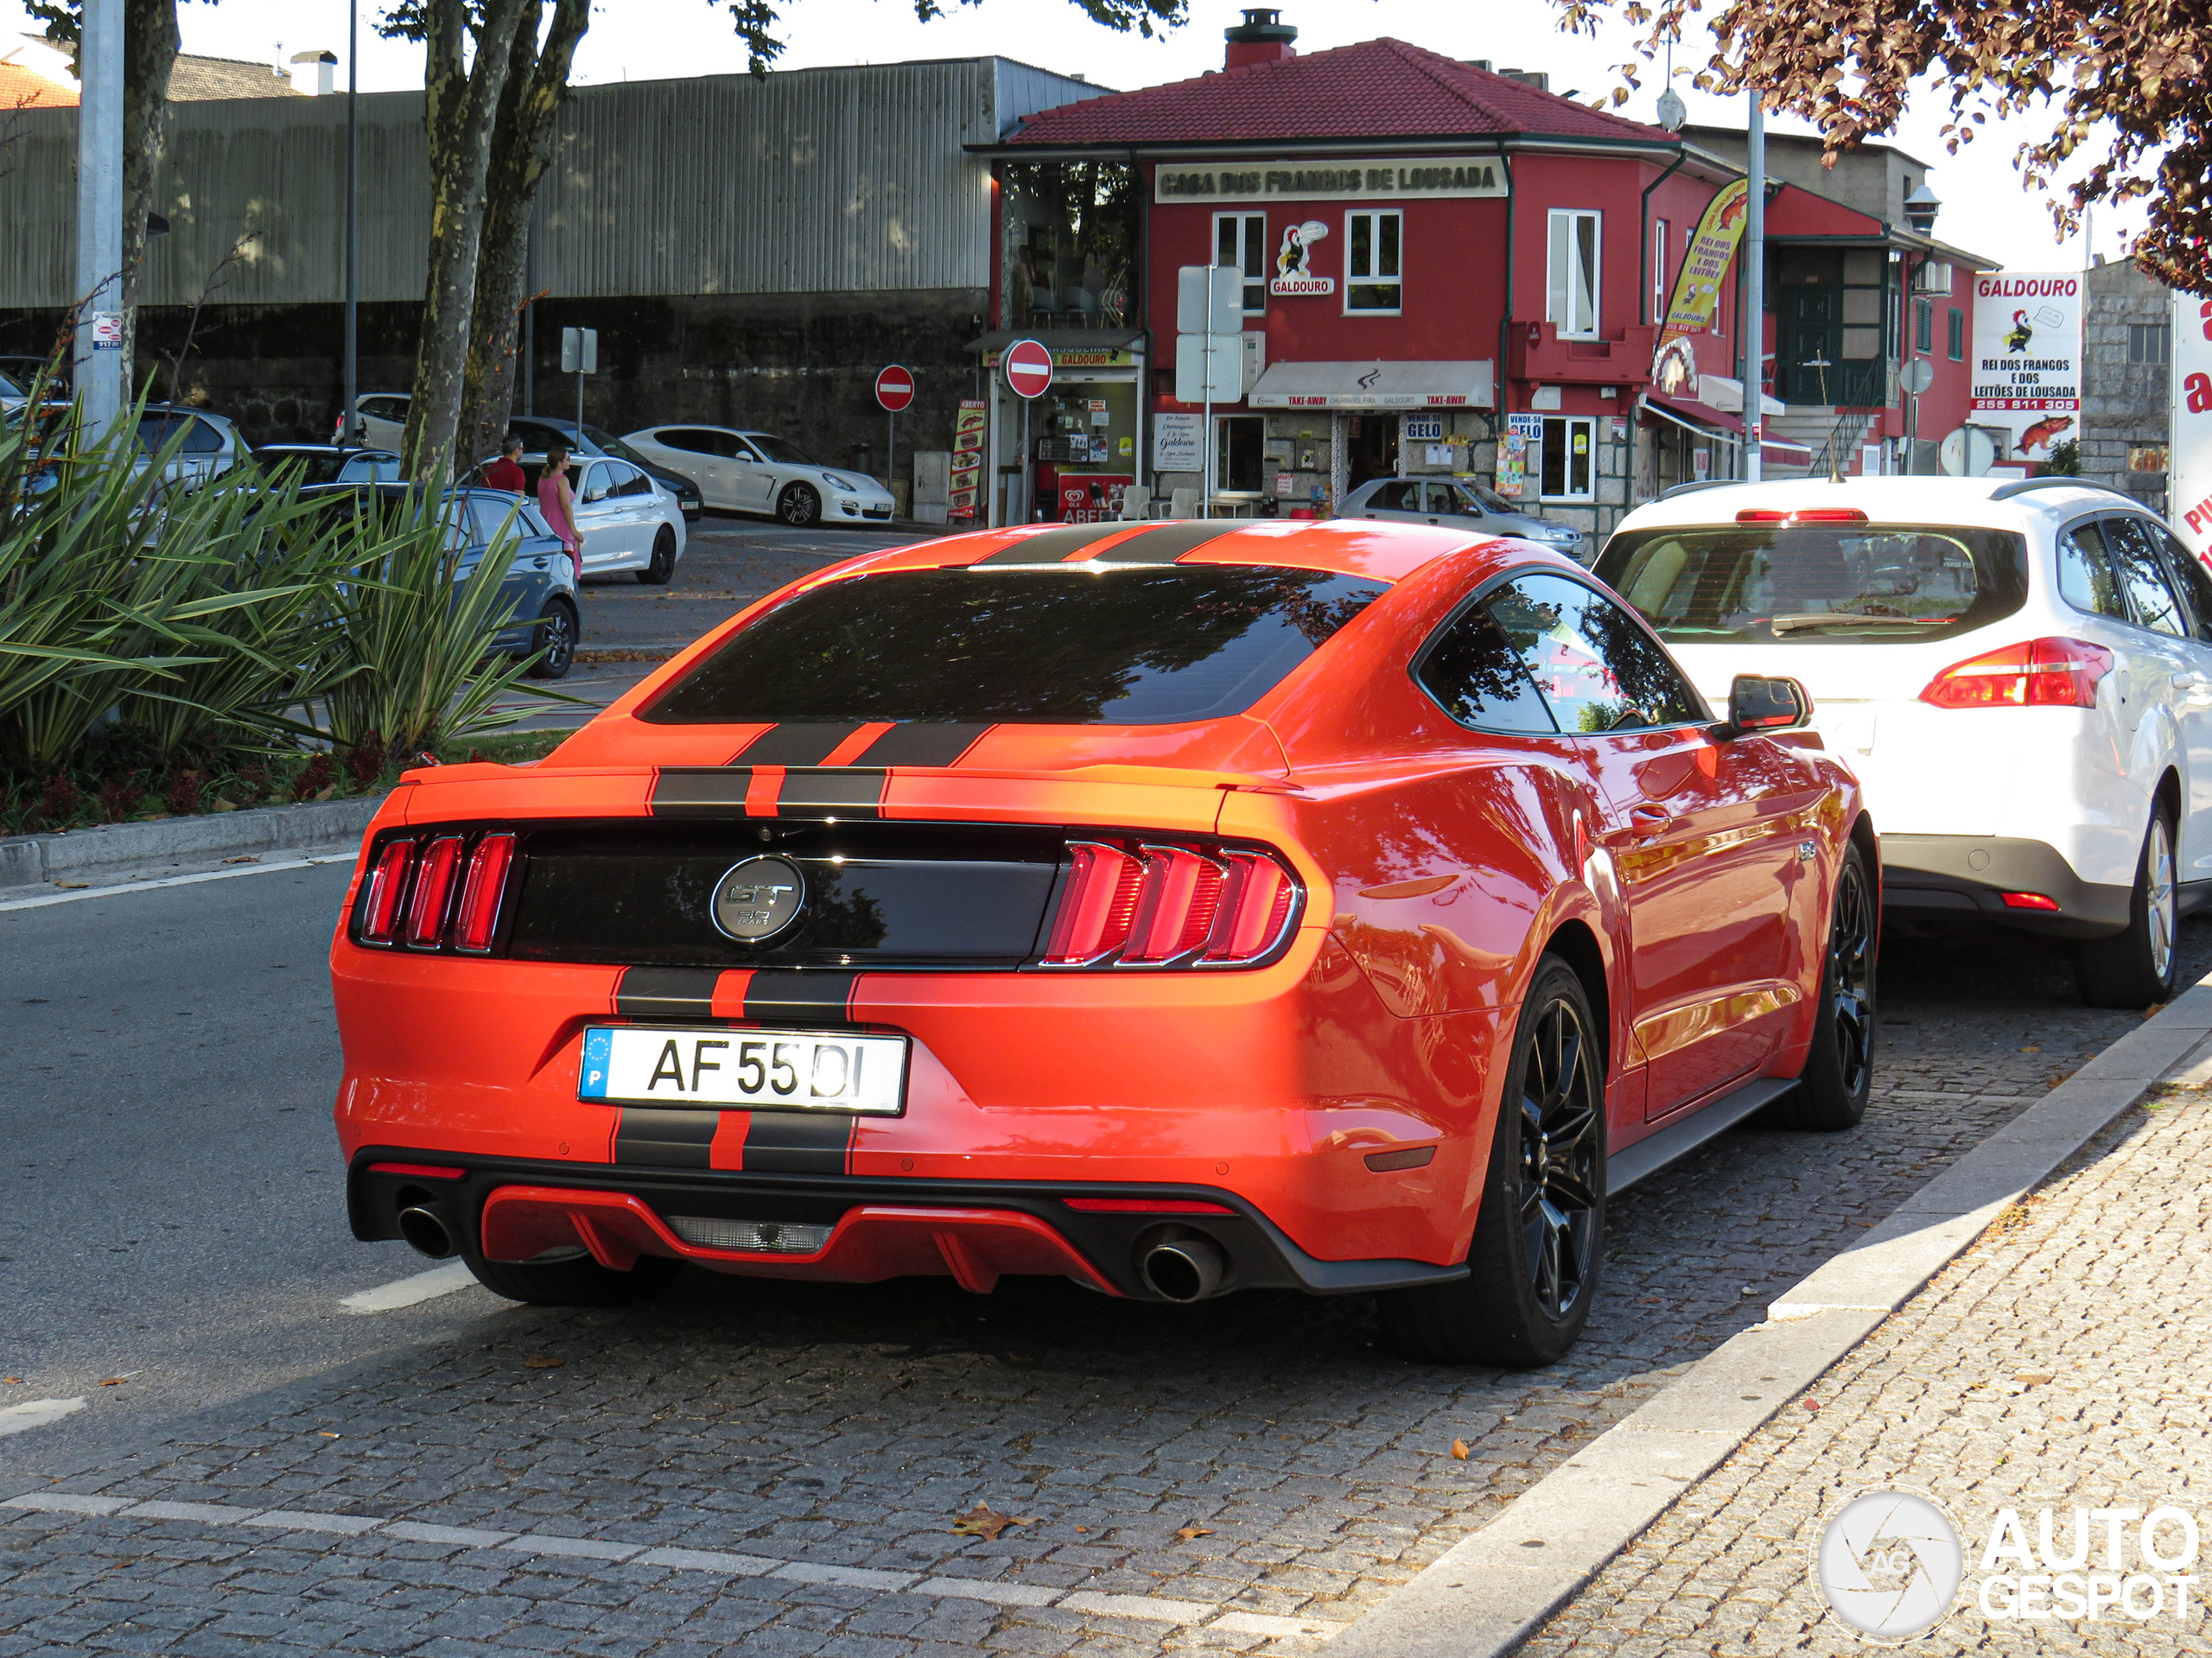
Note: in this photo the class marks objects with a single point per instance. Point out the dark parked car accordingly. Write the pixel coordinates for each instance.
(541, 583)
(333, 463)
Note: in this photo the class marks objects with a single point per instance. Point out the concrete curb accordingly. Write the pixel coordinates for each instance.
(32, 858)
(1493, 1589)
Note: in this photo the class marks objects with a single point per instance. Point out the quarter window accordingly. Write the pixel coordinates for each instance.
(1374, 257)
(1571, 292)
(1240, 241)
(1568, 442)
(2135, 557)
(1596, 666)
(2085, 578)
(1478, 679)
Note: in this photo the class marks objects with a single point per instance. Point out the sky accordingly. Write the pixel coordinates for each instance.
(1986, 207)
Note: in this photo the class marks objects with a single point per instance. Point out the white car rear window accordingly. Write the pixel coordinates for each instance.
(1808, 584)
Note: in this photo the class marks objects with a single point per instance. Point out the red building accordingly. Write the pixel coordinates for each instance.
(1436, 255)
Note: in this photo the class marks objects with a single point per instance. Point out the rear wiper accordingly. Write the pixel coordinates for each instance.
(1849, 619)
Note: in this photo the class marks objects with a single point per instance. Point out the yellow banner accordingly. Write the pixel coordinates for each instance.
(1697, 289)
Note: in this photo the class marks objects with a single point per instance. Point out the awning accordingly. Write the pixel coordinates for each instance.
(1374, 385)
(1694, 415)
(1718, 391)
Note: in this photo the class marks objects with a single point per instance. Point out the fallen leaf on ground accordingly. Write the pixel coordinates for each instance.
(983, 1521)
(1459, 1452)
(542, 1362)
(324, 1433)
(13, 1381)
(72, 886)
(115, 1381)
(252, 857)
(1189, 1532)
(1812, 1404)
(2032, 1378)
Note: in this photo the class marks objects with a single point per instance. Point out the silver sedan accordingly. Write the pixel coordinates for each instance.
(1461, 504)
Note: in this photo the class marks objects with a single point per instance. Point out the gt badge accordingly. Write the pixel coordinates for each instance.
(757, 899)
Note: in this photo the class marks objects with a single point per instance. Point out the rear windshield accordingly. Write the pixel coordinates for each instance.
(1078, 647)
(1752, 584)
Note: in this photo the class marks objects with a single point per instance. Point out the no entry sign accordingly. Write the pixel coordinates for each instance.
(1028, 367)
(894, 388)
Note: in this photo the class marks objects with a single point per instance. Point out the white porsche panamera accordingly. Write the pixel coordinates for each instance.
(758, 471)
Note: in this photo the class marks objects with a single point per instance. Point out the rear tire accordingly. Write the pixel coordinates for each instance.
(1540, 1233)
(1839, 1074)
(2137, 965)
(579, 1282)
(662, 570)
(799, 506)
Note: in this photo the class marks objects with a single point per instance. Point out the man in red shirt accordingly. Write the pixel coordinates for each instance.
(507, 472)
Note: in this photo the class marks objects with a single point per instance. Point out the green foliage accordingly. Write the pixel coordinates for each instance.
(2065, 460)
(209, 625)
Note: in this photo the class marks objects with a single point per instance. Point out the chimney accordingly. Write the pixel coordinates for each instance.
(1263, 37)
(325, 73)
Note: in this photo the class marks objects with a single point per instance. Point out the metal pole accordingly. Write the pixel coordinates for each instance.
(890, 452)
(98, 343)
(346, 416)
(580, 400)
(1755, 286)
(1021, 495)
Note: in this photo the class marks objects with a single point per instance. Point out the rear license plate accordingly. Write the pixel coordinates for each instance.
(787, 1071)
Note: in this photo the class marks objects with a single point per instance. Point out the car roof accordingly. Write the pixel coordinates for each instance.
(1993, 503)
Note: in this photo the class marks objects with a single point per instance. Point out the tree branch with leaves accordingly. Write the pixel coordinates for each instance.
(2123, 82)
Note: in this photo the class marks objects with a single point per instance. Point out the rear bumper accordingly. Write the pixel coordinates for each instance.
(1936, 878)
(973, 1231)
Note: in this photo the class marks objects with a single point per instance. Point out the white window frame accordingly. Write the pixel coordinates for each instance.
(1564, 425)
(1253, 254)
(1354, 279)
(1563, 296)
(1661, 293)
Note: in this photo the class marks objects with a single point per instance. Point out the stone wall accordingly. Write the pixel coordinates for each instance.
(803, 365)
(2124, 404)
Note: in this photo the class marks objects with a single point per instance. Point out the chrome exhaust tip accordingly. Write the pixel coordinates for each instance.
(1188, 1269)
(426, 1229)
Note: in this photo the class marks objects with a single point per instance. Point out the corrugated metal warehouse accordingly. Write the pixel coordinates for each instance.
(751, 249)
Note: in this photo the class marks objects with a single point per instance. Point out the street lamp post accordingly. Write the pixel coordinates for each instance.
(98, 347)
(352, 375)
(1754, 317)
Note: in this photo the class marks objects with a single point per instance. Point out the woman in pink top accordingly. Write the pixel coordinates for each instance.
(557, 502)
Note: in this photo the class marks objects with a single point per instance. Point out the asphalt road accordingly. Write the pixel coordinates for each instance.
(171, 1220)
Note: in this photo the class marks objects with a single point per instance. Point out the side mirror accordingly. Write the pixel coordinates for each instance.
(1756, 704)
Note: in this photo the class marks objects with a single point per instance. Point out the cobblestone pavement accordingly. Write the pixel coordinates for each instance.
(1185, 1479)
(2059, 1364)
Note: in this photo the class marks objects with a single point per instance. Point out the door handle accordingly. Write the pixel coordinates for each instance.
(2192, 681)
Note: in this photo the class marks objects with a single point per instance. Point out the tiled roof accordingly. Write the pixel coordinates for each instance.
(194, 79)
(20, 89)
(1376, 89)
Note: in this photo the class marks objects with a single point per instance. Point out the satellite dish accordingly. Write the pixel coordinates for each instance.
(1969, 452)
(1917, 375)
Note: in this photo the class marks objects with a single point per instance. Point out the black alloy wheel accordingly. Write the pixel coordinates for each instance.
(557, 640)
(799, 505)
(662, 570)
(1533, 1268)
(1839, 1076)
(1561, 1100)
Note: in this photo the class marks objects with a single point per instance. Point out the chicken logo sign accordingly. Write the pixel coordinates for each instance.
(1293, 261)
(2027, 356)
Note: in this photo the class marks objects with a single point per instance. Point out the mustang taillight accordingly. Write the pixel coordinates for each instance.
(2037, 673)
(429, 893)
(480, 897)
(1165, 905)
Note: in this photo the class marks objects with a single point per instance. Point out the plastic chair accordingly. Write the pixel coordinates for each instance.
(1183, 503)
(1135, 503)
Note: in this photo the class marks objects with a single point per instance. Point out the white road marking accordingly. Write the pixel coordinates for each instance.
(406, 1292)
(17, 1419)
(173, 880)
(1230, 1619)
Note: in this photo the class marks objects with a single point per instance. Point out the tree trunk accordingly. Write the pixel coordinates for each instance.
(537, 80)
(150, 48)
(461, 102)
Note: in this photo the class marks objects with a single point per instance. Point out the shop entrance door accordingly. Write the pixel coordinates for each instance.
(1370, 448)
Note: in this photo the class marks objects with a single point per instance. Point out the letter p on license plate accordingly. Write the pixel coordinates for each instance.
(783, 1070)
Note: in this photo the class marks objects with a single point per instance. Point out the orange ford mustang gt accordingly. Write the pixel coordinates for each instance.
(1176, 908)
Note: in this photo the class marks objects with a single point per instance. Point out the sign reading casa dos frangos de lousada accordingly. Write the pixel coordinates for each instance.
(1316, 181)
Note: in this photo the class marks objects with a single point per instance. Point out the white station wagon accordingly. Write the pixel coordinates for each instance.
(2021, 672)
